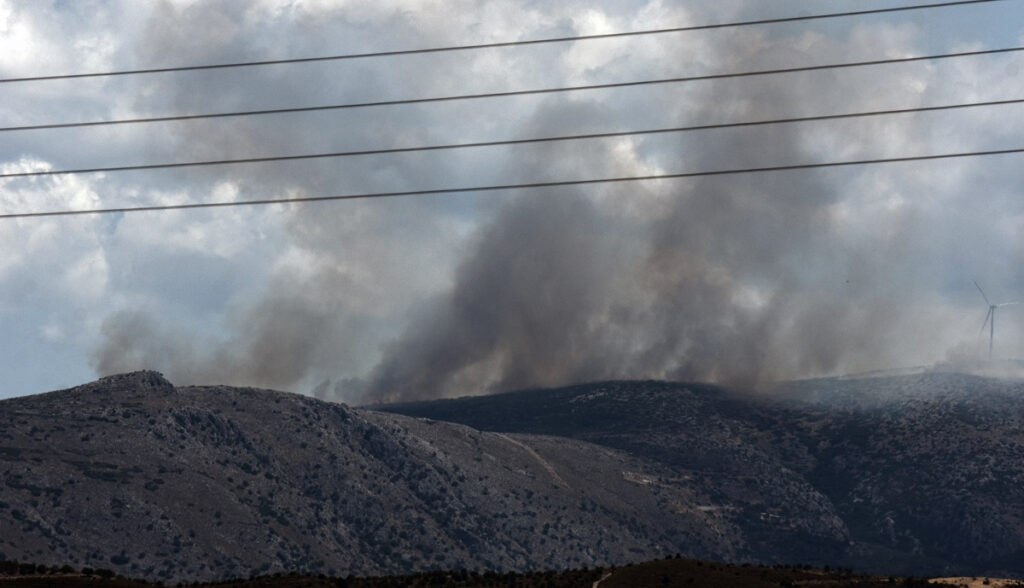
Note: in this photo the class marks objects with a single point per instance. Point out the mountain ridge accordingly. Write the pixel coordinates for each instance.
(204, 483)
(910, 474)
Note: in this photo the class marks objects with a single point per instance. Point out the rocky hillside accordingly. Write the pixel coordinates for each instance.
(179, 484)
(915, 474)
(931, 465)
(920, 473)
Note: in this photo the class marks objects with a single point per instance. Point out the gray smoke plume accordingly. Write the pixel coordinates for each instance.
(741, 280)
(737, 279)
(562, 287)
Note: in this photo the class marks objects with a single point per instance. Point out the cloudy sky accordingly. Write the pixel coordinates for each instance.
(738, 279)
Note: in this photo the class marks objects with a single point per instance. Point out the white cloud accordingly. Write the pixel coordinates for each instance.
(45, 242)
(19, 43)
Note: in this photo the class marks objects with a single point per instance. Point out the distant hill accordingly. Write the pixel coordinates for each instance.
(915, 474)
(919, 473)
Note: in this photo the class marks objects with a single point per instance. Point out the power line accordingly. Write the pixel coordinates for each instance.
(606, 135)
(510, 93)
(496, 45)
(501, 187)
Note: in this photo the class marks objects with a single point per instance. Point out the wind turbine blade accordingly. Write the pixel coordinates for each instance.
(1002, 304)
(985, 324)
(982, 293)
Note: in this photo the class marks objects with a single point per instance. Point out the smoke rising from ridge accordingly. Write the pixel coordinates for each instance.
(735, 279)
(706, 285)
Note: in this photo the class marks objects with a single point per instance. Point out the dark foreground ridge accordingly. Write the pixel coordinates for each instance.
(670, 572)
(914, 475)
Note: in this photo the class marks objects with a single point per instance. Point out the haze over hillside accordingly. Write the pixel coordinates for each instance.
(919, 473)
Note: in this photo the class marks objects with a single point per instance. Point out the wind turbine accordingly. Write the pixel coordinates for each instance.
(990, 318)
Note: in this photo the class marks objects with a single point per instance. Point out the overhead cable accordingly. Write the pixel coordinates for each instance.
(606, 135)
(506, 187)
(550, 40)
(509, 93)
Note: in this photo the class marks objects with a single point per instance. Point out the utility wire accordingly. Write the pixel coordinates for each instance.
(501, 187)
(763, 72)
(496, 45)
(450, 146)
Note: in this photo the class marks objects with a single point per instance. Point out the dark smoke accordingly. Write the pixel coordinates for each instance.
(528, 306)
(735, 279)
(740, 280)
(560, 288)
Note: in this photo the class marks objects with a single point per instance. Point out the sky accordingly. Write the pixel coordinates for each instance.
(737, 279)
